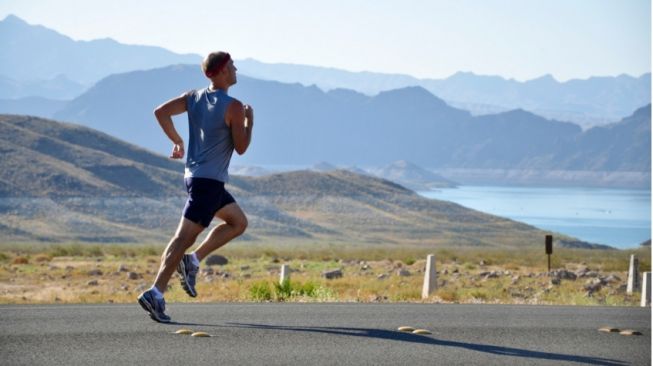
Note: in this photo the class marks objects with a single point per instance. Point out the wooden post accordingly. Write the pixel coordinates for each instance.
(548, 244)
(430, 279)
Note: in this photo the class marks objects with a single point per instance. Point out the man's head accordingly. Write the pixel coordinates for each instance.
(218, 66)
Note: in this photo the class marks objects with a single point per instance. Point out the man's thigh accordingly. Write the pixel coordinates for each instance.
(231, 214)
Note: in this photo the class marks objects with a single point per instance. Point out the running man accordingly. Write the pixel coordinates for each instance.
(218, 125)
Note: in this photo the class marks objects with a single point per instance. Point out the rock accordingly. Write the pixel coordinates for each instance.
(382, 276)
(592, 285)
(246, 275)
(52, 267)
(95, 272)
(92, 283)
(216, 260)
(481, 263)
(492, 274)
(365, 267)
(555, 281)
(445, 272)
(208, 278)
(124, 287)
(515, 279)
(244, 268)
(612, 278)
(207, 271)
(134, 276)
(275, 260)
(455, 270)
(592, 274)
(563, 274)
(122, 268)
(335, 273)
(582, 271)
(403, 272)
(225, 275)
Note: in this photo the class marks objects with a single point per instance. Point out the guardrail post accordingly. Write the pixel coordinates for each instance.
(633, 275)
(285, 274)
(646, 289)
(430, 279)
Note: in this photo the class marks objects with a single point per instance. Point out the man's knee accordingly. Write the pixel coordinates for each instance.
(240, 224)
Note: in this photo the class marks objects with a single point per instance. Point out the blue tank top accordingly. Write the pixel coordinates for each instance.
(210, 145)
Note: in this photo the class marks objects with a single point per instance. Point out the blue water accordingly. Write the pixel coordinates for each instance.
(617, 217)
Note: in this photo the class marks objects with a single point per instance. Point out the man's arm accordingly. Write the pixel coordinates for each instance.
(241, 122)
(164, 114)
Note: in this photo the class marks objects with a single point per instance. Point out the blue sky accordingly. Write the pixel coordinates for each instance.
(521, 39)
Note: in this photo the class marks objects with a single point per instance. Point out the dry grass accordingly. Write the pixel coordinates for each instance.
(64, 274)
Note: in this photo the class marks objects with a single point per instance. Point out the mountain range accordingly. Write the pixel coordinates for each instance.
(35, 53)
(300, 125)
(62, 182)
(36, 61)
(590, 102)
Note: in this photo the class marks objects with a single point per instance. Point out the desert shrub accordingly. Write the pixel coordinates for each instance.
(20, 260)
(260, 291)
(409, 261)
(42, 258)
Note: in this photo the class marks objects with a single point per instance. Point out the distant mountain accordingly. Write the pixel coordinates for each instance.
(413, 176)
(33, 53)
(58, 88)
(298, 125)
(34, 106)
(36, 61)
(589, 102)
(61, 182)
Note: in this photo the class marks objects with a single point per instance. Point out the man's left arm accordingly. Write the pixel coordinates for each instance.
(241, 121)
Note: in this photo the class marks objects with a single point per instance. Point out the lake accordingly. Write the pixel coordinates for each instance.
(617, 217)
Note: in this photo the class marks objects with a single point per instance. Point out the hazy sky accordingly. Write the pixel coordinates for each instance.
(521, 39)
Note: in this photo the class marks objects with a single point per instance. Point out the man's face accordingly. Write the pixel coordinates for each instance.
(231, 72)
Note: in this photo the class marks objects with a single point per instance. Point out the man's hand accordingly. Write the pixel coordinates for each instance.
(177, 150)
(249, 115)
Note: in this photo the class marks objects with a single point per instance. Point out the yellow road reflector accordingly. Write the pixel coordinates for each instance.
(421, 331)
(405, 329)
(608, 330)
(184, 331)
(630, 332)
(200, 334)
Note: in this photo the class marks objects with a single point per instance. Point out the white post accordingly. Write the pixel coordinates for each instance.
(633, 275)
(646, 289)
(285, 273)
(429, 277)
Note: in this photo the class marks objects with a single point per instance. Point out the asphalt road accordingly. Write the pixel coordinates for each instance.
(323, 334)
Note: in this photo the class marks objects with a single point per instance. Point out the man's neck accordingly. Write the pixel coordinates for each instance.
(219, 86)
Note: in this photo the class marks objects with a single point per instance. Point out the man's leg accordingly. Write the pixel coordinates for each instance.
(235, 223)
(184, 238)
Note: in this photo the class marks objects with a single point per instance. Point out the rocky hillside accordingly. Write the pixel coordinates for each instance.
(61, 182)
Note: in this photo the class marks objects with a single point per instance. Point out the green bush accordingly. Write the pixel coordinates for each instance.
(260, 291)
(409, 261)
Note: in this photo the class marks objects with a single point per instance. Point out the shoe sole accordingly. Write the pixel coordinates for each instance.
(181, 269)
(147, 307)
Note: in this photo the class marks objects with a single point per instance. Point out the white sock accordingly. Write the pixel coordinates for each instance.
(196, 261)
(156, 292)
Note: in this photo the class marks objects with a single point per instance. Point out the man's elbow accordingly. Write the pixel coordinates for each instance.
(158, 112)
(240, 150)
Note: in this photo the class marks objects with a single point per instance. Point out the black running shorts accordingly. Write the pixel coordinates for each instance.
(205, 198)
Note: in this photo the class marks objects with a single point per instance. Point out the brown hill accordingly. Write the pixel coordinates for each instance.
(61, 182)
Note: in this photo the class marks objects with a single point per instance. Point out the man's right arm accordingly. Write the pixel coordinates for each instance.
(164, 114)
